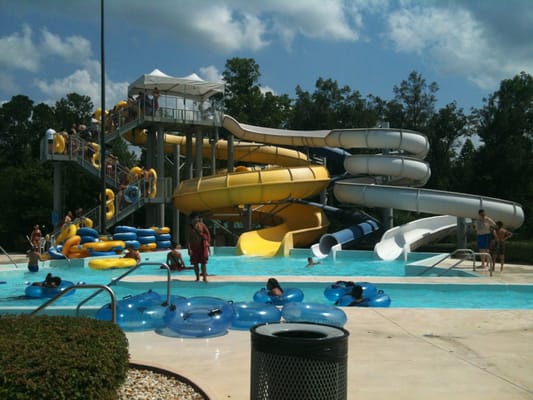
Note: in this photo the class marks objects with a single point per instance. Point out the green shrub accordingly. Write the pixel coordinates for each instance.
(51, 357)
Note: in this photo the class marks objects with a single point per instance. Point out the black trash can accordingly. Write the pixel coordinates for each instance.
(295, 361)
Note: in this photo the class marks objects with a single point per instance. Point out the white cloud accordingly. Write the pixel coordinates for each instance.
(265, 89)
(454, 41)
(85, 82)
(17, 51)
(211, 73)
(8, 83)
(74, 49)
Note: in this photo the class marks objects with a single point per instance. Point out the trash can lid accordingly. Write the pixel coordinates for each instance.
(303, 330)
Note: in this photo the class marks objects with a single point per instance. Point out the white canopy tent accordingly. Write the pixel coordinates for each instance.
(191, 87)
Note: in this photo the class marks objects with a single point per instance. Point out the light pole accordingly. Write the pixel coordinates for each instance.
(102, 123)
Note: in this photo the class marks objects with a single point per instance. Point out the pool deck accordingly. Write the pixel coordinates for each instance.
(393, 352)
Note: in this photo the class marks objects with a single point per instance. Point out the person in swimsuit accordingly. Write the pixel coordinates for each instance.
(199, 240)
(482, 226)
(33, 259)
(500, 235)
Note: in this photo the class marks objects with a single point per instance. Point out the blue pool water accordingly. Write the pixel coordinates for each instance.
(411, 295)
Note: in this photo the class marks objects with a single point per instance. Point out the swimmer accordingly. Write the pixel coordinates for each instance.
(311, 262)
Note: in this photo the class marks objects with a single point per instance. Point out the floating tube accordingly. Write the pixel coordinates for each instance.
(247, 314)
(315, 313)
(338, 289)
(132, 194)
(347, 236)
(101, 253)
(110, 263)
(289, 295)
(199, 316)
(372, 297)
(36, 291)
(136, 313)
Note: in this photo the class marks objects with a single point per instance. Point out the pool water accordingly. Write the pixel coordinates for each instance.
(346, 264)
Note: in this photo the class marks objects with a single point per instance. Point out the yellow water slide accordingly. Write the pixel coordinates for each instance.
(247, 152)
(225, 195)
(267, 192)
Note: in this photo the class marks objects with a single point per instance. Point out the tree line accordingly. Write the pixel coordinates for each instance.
(486, 151)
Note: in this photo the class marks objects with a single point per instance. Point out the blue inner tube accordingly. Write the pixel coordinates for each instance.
(338, 289)
(315, 313)
(247, 314)
(35, 291)
(199, 316)
(125, 236)
(133, 243)
(85, 231)
(163, 244)
(141, 312)
(125, 228)
(88, 239)
(372, 297)
(163, 236)
(289, 295)
(132, 194)
(146, 232)
(55, 252)
(146, 239)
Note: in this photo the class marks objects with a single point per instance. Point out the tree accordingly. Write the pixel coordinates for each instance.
(73, 110)
(416, 100)
(15, 134)
(444, 130)
(245, 100)
(504, 162)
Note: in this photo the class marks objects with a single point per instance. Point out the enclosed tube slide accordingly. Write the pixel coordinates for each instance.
(401, 165)
(344, 237)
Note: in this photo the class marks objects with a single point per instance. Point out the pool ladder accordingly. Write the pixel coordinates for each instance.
(101, 288)
(471, 255)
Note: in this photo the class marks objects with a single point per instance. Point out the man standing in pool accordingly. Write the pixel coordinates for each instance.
(199, 240)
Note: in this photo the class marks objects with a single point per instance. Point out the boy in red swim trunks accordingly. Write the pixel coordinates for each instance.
(199, 240)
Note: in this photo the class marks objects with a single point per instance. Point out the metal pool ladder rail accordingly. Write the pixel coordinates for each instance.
(119, 278)
(74, 287)
(471, 255)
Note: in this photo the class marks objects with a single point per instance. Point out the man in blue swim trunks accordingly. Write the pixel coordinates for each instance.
(483, 226)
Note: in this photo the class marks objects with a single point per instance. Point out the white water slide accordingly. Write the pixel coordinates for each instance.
(400, 165)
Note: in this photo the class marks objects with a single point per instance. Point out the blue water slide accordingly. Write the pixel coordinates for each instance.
(347, 236)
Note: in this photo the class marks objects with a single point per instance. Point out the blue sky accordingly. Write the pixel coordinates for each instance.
(51, 48)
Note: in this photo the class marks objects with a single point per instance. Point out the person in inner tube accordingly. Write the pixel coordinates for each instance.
(273, 287)
(357, 295)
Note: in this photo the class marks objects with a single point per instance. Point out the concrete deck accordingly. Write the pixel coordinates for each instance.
(399, 353)
(393, 352)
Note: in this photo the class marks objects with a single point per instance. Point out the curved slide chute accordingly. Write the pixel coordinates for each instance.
(301, 224)
(401, 166)
(248, 152)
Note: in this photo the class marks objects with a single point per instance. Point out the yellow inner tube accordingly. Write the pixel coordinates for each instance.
(109, 263)
(66, 232)
(71, 242)
(152, 189)
(59, 143)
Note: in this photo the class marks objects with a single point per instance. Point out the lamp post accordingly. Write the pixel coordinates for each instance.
(102, 123)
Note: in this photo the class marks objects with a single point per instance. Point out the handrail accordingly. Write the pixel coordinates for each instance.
(129, 271)
(8, 256)
(470, 252)
(88, 286)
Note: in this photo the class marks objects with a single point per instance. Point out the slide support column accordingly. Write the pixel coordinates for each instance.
(461, 233)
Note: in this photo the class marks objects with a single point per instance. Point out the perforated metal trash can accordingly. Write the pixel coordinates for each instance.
(298, 361)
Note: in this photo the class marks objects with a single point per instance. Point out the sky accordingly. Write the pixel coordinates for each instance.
(51, 48)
